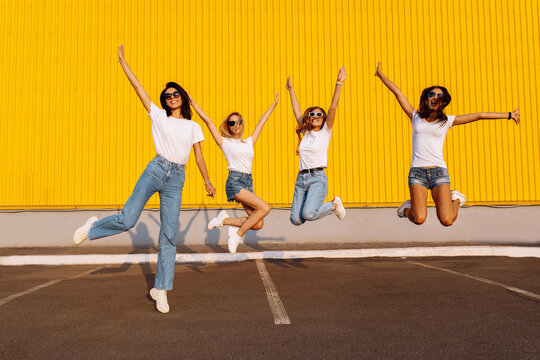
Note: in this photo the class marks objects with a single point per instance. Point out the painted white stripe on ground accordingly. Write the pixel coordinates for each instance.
(42, 286)
(487, 281)
(278, 310)
(444, 251)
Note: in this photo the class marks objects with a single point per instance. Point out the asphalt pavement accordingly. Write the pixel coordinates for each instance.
(424, 308)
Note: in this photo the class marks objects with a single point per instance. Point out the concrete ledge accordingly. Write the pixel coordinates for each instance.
(106, 259)
(480, 225)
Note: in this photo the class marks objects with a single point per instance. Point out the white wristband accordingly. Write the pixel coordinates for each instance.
(339, 83)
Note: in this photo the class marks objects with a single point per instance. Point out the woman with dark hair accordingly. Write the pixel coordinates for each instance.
(239, 187)
(428, 168)
(174, 135)
(314, 132)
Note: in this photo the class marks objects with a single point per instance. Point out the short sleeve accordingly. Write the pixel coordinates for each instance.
(156, 113)
(249, 140)
(224, 143)
(450, 120)
(197, 134)
(414, 114)
(325, 128)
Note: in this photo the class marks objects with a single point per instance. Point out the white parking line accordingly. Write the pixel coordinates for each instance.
(278, 310)
(487, 281)
(42, 286)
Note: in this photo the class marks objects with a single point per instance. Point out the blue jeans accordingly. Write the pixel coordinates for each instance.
(309, 194)
(167, 179)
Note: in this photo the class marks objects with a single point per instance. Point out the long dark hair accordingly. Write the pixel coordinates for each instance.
(185, 109)
(438, 114)
(306, 123)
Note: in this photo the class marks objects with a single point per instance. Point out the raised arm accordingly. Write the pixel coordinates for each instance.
(294, 101)
(331, 115)
(213, 130)
(405, 104)
(263, 119)
(464, 119)
(145, 99)
(199, 159)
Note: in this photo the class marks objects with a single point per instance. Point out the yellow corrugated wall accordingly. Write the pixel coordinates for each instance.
(73, 133)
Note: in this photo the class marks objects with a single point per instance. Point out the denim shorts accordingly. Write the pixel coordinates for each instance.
(236, 182)
(429, 177)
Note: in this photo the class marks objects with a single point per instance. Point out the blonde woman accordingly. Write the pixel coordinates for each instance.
(428, 168)
(239, 187)
(314, 132)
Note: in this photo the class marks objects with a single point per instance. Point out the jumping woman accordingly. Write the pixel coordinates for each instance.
(314, 132)
(428, 168)
(239, 186)
(174, 135)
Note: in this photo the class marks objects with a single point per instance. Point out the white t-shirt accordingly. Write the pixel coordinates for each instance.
(239, 154)
(428, 140)
(173, 138)
(313, 148)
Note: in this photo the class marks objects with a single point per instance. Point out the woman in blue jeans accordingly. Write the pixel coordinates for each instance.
(428, 168)
(314, 132)
(174, 135)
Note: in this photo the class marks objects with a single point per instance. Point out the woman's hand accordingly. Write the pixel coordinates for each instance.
(516, 116)
(210, 189)
(342, 75)
(378, 72)
(190, 99)
(276, 100)
(288, 85)
(121, 53)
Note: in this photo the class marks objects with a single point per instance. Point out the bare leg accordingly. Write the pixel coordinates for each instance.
(418, 210)
(447, 210)
(255, 207)
(240, 220)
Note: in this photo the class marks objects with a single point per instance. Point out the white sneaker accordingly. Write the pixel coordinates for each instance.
(457, 195)
(234, 239)
(218, 221)
(160, 297)
(81, 233)
(340, 211)
(401, 209)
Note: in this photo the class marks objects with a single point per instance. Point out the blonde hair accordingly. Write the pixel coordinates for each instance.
(306, 124)
(224, 128)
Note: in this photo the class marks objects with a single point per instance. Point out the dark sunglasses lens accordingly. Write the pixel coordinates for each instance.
(232, 123)
(175, 94)
(431, 94)
(315, 114)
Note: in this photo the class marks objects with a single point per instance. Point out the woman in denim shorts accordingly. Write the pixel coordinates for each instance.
(239, 187)
(428, 168)
(314, 132)
(174, 134)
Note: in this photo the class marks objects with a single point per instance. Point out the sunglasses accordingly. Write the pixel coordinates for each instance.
(233, 123)
(315, 114)
(433, 93)
(175, 95)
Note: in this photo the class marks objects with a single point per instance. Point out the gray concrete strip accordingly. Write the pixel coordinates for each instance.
(487, 281)
(442, 251)
(278, 310)
(42, 286)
